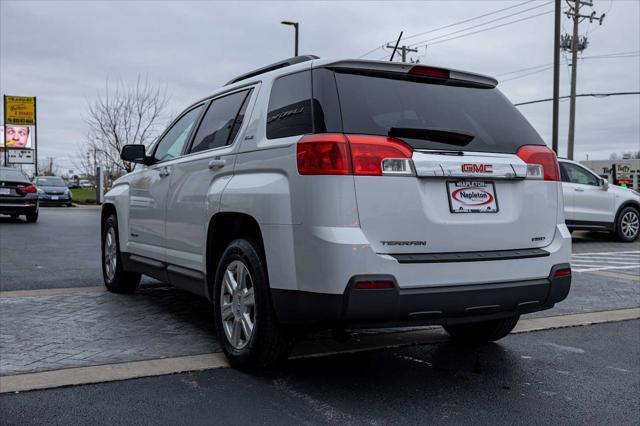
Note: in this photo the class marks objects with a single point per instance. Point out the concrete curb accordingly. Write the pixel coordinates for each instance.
(311, 349)
(52, 291)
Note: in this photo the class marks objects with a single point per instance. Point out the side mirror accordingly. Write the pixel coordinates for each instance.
(605, 184)
(134, 153)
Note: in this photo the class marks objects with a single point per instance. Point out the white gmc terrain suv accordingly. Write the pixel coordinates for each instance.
(320, 193)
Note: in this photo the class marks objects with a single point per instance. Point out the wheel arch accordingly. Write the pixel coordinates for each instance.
(624, 205)
(224, 227)
(107, 210)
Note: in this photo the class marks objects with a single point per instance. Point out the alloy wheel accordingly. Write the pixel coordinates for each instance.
(237, 304)
(110, 253)
(630, 224)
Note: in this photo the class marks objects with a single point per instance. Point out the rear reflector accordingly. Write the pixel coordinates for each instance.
(374, 285)
(541, 162)
(31, 188)
(565, 272)
(361, 155)
(429, 72)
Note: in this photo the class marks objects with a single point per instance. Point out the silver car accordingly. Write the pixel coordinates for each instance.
(344, 193)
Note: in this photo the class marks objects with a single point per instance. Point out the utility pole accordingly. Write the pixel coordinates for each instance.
(404, 50)
(576, 44)
(295, 26)
(49, 170)
(556, 77)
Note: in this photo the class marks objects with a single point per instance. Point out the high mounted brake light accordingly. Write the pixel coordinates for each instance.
(360, 155)
(429, 72)
(541, 162)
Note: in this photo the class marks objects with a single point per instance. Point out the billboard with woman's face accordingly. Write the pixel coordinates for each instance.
(14, 136)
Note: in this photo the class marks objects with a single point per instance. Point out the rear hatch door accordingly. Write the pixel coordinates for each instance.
(470, 191)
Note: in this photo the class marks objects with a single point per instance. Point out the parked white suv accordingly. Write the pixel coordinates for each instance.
(590, 203)
(321, 193)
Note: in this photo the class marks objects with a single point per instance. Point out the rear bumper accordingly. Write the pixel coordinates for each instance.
(426, 305)
(61, 199)
(18, 205)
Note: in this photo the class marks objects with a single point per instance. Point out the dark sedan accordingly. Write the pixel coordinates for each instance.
(18, 196)
(53, 190)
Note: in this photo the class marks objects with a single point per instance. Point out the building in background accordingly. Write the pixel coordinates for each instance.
(618, 172)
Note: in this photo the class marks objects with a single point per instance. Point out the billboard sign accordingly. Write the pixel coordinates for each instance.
(18, 137)
(20, 156)
(20, 110)
(622, 174)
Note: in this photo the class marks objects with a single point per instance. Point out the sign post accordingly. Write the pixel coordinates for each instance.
(20, 131)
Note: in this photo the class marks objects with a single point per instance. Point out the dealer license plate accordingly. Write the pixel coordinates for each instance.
(467, 196)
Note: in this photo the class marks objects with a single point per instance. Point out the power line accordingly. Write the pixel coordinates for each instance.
(629, 54)
(487, 29)
(595, 95)
(492, 28)
(451, 25)
(528, 74)
(481, 24)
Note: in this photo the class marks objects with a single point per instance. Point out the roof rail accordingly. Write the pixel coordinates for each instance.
(287, 62)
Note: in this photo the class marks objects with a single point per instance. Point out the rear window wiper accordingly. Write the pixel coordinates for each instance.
(435, 135)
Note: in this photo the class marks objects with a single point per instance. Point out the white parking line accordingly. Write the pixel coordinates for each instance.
(610, 252)
(591, 262)
(604, 268)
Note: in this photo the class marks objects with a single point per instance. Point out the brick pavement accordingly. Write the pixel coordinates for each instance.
(39, 333)
(72, 330)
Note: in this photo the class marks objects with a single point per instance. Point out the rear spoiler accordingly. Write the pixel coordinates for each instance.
(413, 70)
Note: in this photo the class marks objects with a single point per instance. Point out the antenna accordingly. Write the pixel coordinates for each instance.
(396, 46)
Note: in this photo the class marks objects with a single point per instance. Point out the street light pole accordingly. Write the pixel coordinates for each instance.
(295, 27)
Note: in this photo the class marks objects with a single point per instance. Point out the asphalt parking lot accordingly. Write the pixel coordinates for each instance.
(59, 327)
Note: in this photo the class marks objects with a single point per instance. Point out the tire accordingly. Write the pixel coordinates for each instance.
(69, 204)
(116, 279)
(14, 216)
(265, 344)
(32, 217)
(628, 225)
(482, 332)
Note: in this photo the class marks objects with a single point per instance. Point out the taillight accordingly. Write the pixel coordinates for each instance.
(324, 154)
(380, 155)
(541, 162)
(31, 188)
(429, 72)
(363, 155)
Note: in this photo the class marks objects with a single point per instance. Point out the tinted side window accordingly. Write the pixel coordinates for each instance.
(290, 106)
(576, 174)
(174, 140)
(221, 122)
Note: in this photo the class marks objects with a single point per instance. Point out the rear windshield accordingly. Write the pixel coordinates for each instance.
(12, 175)
(376, 105)
(50, 181)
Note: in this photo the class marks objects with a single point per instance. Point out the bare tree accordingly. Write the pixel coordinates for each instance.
(119, 116)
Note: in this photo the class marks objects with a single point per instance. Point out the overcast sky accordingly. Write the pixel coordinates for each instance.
(63, 52)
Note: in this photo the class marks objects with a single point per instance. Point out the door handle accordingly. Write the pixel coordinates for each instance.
(578, 189)
(164, 172)
(217, 163)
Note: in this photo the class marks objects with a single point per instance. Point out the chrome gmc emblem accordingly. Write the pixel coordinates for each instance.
(477, 168)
